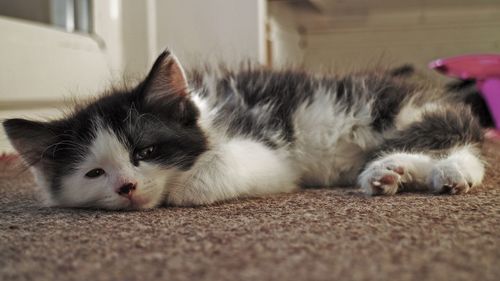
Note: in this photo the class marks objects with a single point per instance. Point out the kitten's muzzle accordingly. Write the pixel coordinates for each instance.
(127, 189)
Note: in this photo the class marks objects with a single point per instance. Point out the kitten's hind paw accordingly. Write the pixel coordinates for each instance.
(447, 178)
(381, 179)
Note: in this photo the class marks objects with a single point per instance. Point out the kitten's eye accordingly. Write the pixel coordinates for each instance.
(144, 153)
(95, 173)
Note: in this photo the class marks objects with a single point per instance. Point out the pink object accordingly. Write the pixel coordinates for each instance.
(485, 69)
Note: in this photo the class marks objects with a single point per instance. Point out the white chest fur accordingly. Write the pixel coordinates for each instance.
(234, 168)
(331, 141)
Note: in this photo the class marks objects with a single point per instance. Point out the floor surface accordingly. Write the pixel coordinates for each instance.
(321, 234)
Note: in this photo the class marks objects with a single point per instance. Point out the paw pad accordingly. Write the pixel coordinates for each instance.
(385, 180)
(400, 170)
(383, 177)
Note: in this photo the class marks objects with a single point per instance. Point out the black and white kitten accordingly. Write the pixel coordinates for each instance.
(215, 135)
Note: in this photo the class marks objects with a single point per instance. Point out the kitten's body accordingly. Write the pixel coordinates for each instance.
(220, 135)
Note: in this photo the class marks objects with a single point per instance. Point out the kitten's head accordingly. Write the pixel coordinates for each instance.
(121, 151)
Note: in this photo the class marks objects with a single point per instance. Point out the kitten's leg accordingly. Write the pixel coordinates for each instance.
(457, 173)
(387, 174)
(451, 131)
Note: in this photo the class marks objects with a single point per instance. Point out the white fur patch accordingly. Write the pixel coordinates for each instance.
(106, 152)
(330, 143)
(109, 154)
(232, 169)
(411, 113)
(42, 186)
(412, 167)
(460, 171)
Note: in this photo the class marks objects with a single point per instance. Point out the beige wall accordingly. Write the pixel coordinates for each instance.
(386, 32)
(42, 67)
(41, 64)
(209, 31)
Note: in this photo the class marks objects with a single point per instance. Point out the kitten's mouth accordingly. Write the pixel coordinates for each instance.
(138, 203)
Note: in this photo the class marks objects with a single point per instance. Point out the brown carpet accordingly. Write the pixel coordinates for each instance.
(319, 234)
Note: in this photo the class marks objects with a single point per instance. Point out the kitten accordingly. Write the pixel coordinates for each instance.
(215, 135)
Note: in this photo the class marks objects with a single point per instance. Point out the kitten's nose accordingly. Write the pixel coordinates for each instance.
(126, 189)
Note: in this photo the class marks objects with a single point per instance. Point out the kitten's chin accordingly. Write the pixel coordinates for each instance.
(116, 203)
(136, 204)
(130, 206)
(142, 204)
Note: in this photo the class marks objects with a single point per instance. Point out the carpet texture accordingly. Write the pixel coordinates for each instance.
(322, 234)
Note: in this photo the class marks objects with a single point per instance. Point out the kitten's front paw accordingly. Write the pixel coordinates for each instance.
(381, 179)
(447, 178)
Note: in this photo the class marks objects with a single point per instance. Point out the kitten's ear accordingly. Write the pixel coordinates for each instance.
(166, 89)
(29, 138)
(166, 80)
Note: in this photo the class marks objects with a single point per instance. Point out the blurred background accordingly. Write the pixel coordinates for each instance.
(52, 50)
